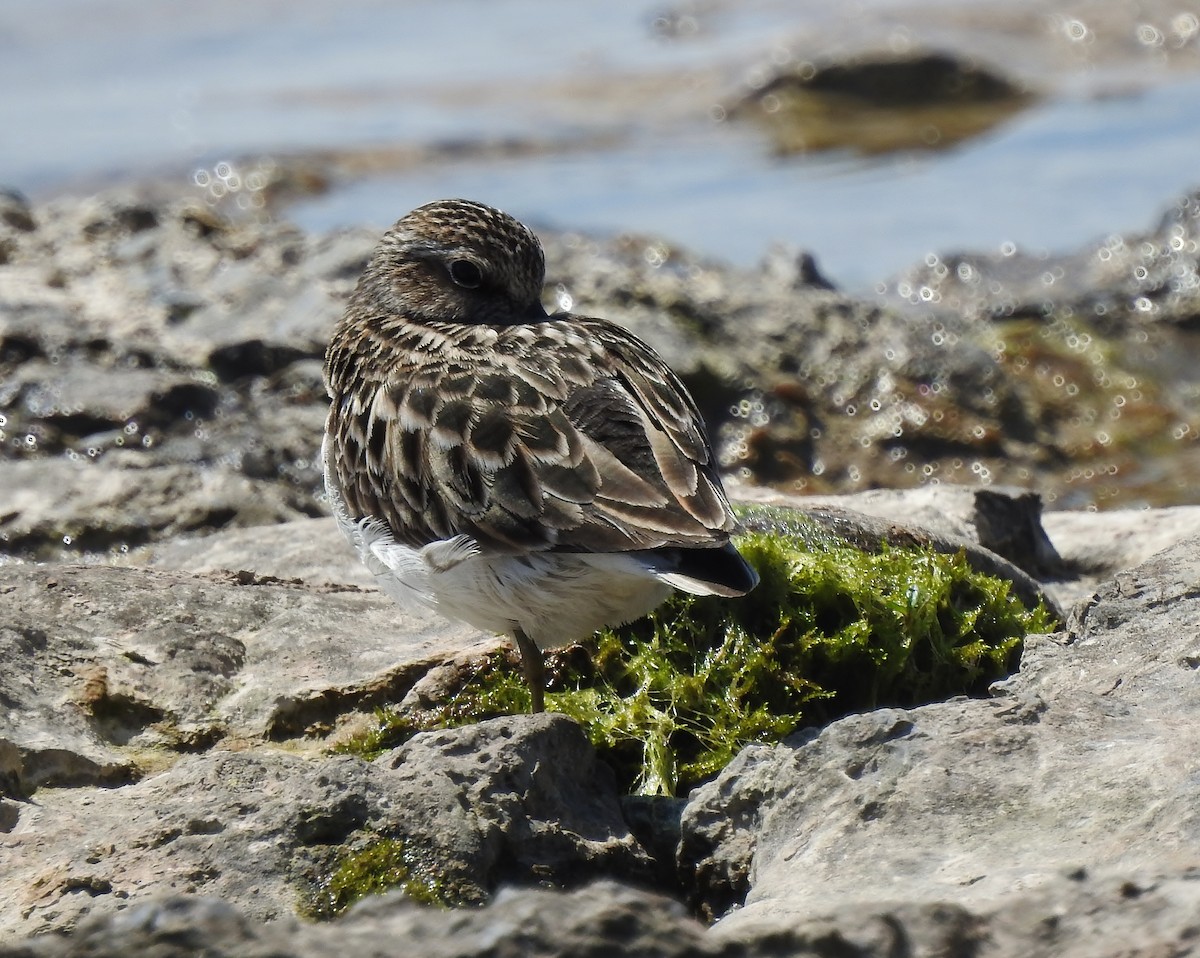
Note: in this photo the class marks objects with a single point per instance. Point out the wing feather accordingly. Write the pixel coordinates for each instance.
(600, 450)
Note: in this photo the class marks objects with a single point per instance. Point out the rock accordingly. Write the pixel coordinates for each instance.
(134, 334)
(170, 694)
(1122, 284)
(126, 688)
(1084, 753)
(79, 505)
(1005, 521)
(231, 824)
(145, 334)
(1084, 917)
(1104, 543)
(960, 520)
(603, 918)
(107, 663)
(1097, 545)
(1069, 553)
(806, 388)
(15, 211)
(881, 103)
(513, 798)
(1075, 915)
(1099, 333)
(519, 798)
(64, 403)
(313, 550)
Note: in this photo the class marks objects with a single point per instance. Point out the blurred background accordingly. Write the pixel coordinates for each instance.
(722, 126)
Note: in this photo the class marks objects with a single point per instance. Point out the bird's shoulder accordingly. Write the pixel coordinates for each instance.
(571, 435)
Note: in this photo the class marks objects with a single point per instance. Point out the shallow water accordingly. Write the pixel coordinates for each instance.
(1062, 175)
(118, 89)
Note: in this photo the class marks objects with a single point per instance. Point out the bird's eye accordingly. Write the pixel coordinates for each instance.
(466, 274)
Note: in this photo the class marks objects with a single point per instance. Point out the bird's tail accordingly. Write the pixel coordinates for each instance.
(702, 571)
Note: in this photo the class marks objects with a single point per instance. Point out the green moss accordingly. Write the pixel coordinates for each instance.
(670, 699)
(496, 688)
(380, 865)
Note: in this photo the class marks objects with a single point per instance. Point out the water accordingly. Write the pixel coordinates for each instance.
(1062, 175)
(118, 89)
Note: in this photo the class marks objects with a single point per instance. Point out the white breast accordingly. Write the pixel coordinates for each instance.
(554, 598)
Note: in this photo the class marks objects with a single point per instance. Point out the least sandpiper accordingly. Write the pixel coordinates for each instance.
(538, 476)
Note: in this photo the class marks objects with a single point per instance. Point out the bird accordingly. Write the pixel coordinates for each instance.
(538, 476)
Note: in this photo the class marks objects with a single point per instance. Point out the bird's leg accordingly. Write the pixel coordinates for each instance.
(532, 666)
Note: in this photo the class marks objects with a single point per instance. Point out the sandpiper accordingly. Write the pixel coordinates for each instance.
(539, 476)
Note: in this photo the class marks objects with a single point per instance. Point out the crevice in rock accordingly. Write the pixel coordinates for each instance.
(317, 713)
(171, 405)
(64, 768)
(10, 814)
(655, 821)
(251, 358)
(124, 720)
(41, 544)
(332, 824)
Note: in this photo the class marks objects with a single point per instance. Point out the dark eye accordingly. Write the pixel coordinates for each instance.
(466, 274)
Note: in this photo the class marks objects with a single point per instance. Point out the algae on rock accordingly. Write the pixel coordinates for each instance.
(831, 629)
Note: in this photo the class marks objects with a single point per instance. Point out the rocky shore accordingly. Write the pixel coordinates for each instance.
(184, 635)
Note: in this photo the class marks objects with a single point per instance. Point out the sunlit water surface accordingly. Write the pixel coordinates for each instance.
(116, 89)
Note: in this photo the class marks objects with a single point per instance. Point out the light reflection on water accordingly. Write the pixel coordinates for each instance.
(1064, 174)
(117, 88)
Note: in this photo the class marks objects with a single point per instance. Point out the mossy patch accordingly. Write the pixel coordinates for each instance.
(378, 866)
(831, 629)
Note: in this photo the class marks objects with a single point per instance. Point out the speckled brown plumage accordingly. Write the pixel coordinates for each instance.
(461, 411)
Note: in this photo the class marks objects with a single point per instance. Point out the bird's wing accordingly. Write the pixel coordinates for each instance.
(593, 448)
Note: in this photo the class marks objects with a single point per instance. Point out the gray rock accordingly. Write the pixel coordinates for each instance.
(117, 676)
(64, 403)
(1104, 543)
(15, 212)
(1078, 914)
(226, 823)
(1140, 280)
(105, 663)
(1082, 917)
(140, 335)
(960, 519)
(76, 505)
(1004, 520)
(310, 549)
(1085, 753)
(512, 798)
(163, 728)
(806, 386)
(520, 798)
(1069, 553)
(603, 919)
(903, 100)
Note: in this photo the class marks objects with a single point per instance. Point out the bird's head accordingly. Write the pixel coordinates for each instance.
(456, 261)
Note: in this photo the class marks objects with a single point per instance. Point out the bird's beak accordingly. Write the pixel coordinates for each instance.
(536, 312)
